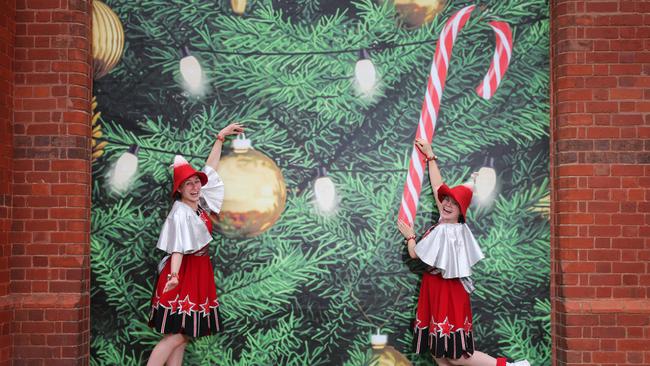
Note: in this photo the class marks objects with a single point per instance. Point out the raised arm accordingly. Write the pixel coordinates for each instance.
(434, 173)
(215, 153)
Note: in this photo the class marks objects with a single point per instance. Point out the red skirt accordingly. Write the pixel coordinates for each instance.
(191, 308)
(443, 325)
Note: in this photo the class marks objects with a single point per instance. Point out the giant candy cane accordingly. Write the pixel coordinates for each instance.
(433, 95)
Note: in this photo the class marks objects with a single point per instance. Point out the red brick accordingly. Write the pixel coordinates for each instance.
(603, 132)
(604, 182)
(605, 280)
(628, 219)
(601, 107)
(627, 170)
(602, 7)
(70, 165)
(626, 94)
(576, 194)
(608, 357)
(604, 255)
(578, 267)
(576, 170)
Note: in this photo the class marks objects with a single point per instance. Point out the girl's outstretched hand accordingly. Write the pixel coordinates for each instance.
(232, 129)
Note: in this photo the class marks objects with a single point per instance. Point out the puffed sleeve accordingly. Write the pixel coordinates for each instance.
(212, 193)
(180, 234)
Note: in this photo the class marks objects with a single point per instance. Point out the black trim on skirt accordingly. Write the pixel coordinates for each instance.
(193, 324)
(458, 344)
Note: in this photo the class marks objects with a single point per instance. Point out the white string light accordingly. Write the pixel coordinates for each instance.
(365, 73)
(486, 182)
(325, 193)
(124, 170)
(191, 71)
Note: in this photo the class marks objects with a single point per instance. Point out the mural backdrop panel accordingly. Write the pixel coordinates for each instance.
(306, 274)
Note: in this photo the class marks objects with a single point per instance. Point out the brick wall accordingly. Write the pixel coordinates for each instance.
(600, 170)
(7, 32)
(51, 183)
(600, 167)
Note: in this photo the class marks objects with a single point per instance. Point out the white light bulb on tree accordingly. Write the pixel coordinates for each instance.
(325, 192)
(364, 72)
(486, 182)
(191, 70)
(124, 169)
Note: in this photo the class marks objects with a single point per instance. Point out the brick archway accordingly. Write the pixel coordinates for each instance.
(600, 173)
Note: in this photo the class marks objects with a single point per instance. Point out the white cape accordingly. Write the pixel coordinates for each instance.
(183, 230)
(451, 248)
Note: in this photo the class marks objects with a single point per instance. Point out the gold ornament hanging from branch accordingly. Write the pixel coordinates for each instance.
(108, 39)
(418, 12)
(385, 355)
(238, 6)
(98, 147)
(255, 192)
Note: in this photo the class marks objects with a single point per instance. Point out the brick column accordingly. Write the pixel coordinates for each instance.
(600, 172)
(50, 263)
(7, 34)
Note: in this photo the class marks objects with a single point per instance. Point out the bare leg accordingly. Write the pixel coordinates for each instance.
(176, 358)
(477, 359)
(164, 349)
(442, 362)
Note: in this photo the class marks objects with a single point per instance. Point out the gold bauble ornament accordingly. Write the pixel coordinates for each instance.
(98, 147)
(418, 12)
(255, 192)
(238, 6)
(385, 355)
(108, 39)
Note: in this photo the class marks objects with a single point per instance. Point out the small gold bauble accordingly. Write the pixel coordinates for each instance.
(385, 355)
(255, 192)
(238, 6)
(418, 12)
(98, 147)
(108, 39)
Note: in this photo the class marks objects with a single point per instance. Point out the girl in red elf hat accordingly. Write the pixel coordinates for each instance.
(443, 324)
(184, 304)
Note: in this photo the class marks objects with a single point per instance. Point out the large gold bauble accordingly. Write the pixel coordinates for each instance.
(385, 355)
(418, 12)
(108, 39)
(255, 193)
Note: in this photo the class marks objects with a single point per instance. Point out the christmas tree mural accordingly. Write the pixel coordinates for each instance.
(309, 287)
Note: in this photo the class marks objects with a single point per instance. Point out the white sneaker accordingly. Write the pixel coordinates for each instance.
(518, 363)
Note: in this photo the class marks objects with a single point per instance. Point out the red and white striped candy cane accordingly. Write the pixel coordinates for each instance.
(500, 60)
(433, 95)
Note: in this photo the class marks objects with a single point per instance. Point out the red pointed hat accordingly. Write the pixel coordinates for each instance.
(462, 194)
(183, 170)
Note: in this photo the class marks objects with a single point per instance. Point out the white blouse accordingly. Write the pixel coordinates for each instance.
(183, 230)
(451, 248)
